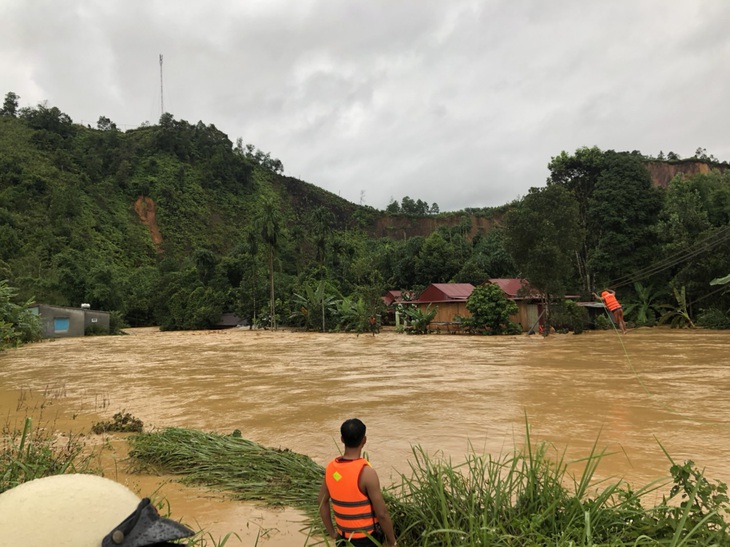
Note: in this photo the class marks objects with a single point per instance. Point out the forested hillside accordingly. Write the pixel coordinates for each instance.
(174, 224)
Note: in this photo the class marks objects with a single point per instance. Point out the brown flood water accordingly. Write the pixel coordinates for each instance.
(442, 392)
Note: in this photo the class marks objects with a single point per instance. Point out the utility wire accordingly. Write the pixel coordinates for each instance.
(699, 247)
(680, 256)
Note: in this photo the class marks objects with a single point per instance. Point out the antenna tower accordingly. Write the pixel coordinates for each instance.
(162, 101)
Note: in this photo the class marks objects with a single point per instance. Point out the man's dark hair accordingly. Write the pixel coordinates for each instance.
(352, 431)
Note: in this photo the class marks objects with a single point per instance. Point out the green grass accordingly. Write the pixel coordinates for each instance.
(29, 454)
(33, 453)
(525, 498)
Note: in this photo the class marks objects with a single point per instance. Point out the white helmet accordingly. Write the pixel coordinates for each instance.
(82, 511)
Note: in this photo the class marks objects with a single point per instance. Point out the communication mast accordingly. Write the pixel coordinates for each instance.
(162, 101)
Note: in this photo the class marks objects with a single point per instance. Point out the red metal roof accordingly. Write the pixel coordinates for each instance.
(512, 287)
(445, 292)
(396, 296)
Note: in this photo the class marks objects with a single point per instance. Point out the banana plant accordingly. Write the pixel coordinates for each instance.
(646, 308)
(420, 320)
(313, 305)
(678, 317)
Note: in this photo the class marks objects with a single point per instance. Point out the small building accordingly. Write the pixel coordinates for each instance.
(529, 301)
(450, 298)
(61, 322)
(392, 297)
(228, 320)
(451, 301)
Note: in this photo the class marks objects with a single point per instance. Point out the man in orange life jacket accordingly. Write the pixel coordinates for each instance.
(353, 487)
(609, 300)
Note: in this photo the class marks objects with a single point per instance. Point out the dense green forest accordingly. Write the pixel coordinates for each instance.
(173, 224)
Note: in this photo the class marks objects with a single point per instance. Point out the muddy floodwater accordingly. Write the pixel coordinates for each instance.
(447, 393)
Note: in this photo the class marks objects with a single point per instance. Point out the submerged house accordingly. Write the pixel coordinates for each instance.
(450, 298)
(60, 322)
(529, 301)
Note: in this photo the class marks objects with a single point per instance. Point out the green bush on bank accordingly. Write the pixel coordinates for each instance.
(713, 318)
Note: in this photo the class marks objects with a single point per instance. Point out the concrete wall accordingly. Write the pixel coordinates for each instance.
(61, 322)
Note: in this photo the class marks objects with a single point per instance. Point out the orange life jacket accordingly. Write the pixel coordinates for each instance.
(610, 301)
(354, 515)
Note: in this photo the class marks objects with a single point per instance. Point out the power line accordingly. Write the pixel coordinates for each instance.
(699, 247)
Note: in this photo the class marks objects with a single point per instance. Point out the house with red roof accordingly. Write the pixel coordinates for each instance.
(528, 299)
(450, 298)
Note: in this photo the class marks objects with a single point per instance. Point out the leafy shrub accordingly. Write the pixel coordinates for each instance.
(17, 324)
(603, 323)
(490, 311)
(120, 422)
(117, 323)
(418, 321)
(95, 330)
(714, 319)
(569, 316)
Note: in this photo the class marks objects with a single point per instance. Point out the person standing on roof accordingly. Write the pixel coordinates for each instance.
(353, 488)
(612, 304)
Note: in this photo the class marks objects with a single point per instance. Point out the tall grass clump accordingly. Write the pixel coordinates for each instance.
(529, 499)
(31, 454)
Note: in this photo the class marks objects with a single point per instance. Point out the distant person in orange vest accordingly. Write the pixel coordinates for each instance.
(612, 304)
(353, 487)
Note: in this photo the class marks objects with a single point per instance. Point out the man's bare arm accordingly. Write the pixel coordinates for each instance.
(323, 500)
(370, 484)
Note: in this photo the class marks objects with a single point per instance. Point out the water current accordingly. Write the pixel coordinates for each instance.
(448, 394)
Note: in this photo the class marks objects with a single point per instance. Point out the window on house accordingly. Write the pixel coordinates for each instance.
(60, 324)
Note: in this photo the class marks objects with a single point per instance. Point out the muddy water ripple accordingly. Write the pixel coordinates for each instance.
(443, 392)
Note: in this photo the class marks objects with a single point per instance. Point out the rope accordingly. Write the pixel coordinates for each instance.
(648, 391)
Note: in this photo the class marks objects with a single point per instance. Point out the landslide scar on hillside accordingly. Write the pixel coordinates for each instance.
(147, 213)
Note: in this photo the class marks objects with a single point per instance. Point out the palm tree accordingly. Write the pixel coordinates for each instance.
(269, 224)
(253, 247)
(323, 221)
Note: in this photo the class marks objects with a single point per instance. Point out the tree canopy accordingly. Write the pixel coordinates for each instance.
(173, 224)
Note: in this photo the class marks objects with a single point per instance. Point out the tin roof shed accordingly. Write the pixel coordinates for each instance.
(445, 292)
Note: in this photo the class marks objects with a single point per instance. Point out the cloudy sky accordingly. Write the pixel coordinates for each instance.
(458, 102)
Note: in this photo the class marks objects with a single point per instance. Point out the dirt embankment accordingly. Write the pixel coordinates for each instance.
(661, 172)
(305, 197)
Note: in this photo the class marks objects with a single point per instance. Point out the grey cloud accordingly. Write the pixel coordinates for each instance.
(462, 103)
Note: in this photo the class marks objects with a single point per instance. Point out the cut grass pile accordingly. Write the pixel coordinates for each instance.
(246, 470)
(520, 499)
